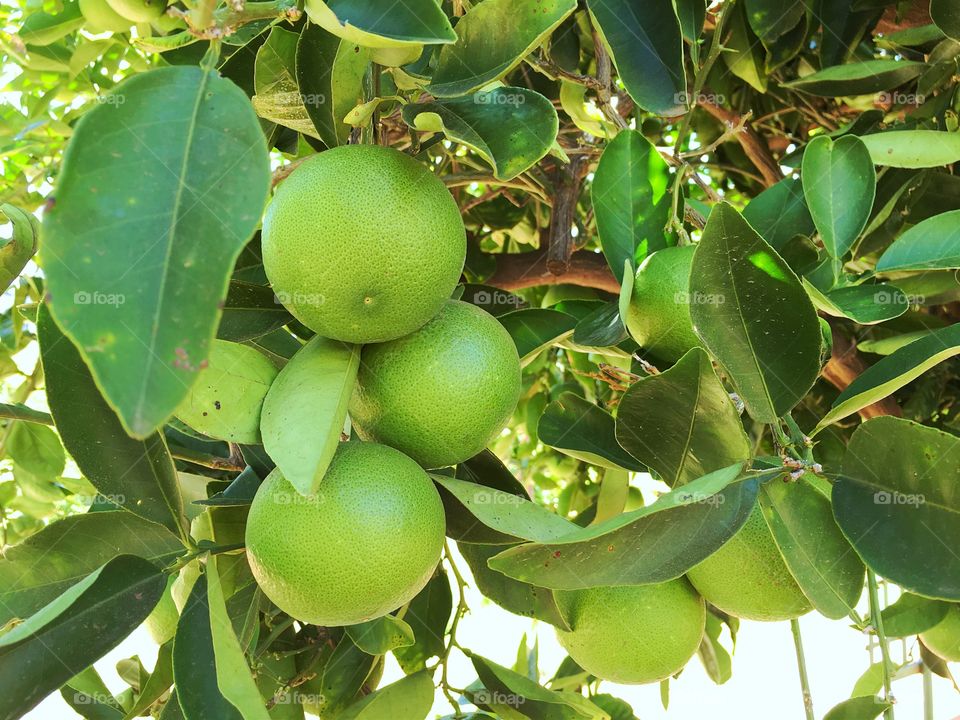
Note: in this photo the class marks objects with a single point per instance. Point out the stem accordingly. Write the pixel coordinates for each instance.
(802, 669)
(877, 623)
(452, 641)
(927, 693)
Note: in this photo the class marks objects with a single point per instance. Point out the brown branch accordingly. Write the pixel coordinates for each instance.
(523, 270)
(845, 366)
(566, 180)
(750, 140)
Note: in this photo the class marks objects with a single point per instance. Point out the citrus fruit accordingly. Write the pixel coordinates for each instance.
(363, 545)
(225, 401)
(162, 621)
(139, 10)
(944, 637)
(103, 18)
(440, 394)
(659, 314)
(363, 244)
(632, 634)
(748, 578)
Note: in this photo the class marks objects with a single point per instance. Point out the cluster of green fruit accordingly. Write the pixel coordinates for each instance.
(119, 15)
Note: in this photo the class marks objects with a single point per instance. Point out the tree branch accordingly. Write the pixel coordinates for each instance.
(523, 270)
(751, 142)
(566, 182)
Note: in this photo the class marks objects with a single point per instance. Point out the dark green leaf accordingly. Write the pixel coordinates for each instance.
(381, 635)
(864, 304)
(108, 610)
(859, 78)
(535, 329)
(510, 127)
(601, 328)
(427, 615)
(492, 38)
(780, 213)
(343, 675)
(930, 245)
(913, 148)
(645, 43)
(897, 504)
(579, 428)
(631, 199)
(945, 13)
(682, 422)
(754, 317)
(383, 23)
(21, 246)
(839, 184)
(770, 19)
(250, 311)
(157, 684)
(409, 698)
(137, 288)
(137, 475)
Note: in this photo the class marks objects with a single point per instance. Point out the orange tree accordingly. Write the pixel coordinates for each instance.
(324, 289)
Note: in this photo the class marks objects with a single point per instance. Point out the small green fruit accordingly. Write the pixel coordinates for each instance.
(163, 619)
(103, 18)
(139, 10)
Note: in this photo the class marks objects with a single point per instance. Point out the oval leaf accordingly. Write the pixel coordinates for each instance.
(913, 148)
(384, 22)
(859, 78)
(578, 428)
(536, 329)
(933, 244)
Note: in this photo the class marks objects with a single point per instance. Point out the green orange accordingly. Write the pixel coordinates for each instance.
(632, 634)
(101, 17)
(139, 10)
(659, 314)
(748, 577)
(363, 244)
(363, 545)
(442, 393)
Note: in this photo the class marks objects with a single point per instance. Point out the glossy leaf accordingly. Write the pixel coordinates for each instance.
(409, 698)
(156, 685)
(250, 311)
(864, 304)
(933, 244)
(656, 543)
(511, 128)
(278, 97)
(21, 246)
(897, 504)
(913, 148)
(858, 708)
(536, 329)
(136, 475)
(381, 635)
(912, 615)
(646, 45)
(139, 246)
(383, 23)
(601, 328)
(681, 422)
(492, 38)
(946, 16)
(859, 78)
(43, 28)
(578, 428)
(125, 591)
(780, 213)
(329, 75)
(427, 615)
(754, 317)
(631, 200)
(305, 410)
(839, 184)
(819, 557)
(770, 19)
(34, 572)
(893, 372)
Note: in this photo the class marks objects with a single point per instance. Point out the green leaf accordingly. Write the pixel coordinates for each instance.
(492, 38)
(103, 614)
(44, 565)
(770, 19)
(631, 199)
(818, 556)
(866, 304)
(536, 329)
(278, 97)
(195, 671)
(512, 516)
(897, 504)
(140, 244)
(383, 23)
(409, 698)
(427, 615)
(381, 635)
(43, 28)
(344, 675)
(714, 656)
(684, 526)
(933, 244)
(329, 75)
(646, 45)
(578, 428)
(156, 685)
(682, 422)
(36, 449)
(944, 13)
(21, 246)
(912, 615)
(250, 311)
(760, 325)
(305, 410)
(136, 475)
(780, 213)
(894, 372)
(913, 148)
(514, 596)
(510, 127)
(859, 78)
(858, 708)
(839, 184)
(601, 328)
(233, 675)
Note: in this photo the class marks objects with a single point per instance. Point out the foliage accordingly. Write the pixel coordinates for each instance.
(805, 148)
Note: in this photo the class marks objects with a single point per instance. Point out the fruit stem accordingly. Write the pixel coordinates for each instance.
(452, 635)
(877, 621)
(802, 669)
(927, 692)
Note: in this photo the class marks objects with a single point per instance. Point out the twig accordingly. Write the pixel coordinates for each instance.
(876, 620)
(562, 214)
(802, 670)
